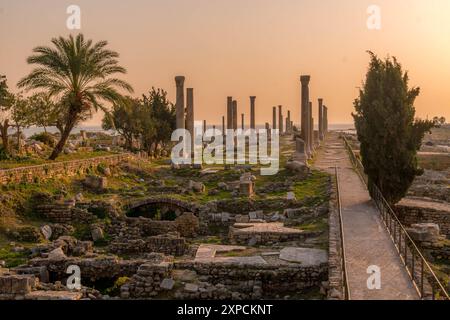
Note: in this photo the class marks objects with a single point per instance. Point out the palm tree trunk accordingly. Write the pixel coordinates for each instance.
(4, 133)
(19, 149)
(64, 136)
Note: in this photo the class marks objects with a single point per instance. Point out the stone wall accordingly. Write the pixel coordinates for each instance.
(413, 211)
(34, 174)
(167, 244)
(335, 259)
(13, 286)
(64, 212)
(269, 280)
(146, 283)
(135, 228)
(92, 269)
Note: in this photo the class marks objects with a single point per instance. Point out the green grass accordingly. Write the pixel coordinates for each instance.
(12, 259)
(319, 224)
(315, 186)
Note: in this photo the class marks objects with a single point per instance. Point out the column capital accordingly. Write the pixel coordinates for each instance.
(305, 79)
(179, 80)
(320, 100)
(252, 98)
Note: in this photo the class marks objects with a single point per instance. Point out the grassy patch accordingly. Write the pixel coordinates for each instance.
(12, 259)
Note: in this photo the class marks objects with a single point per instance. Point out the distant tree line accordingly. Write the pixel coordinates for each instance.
(147, 122)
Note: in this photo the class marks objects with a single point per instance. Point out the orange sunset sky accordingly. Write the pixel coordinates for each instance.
(247, 47)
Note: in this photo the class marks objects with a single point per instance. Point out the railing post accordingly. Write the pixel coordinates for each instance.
(421, 280)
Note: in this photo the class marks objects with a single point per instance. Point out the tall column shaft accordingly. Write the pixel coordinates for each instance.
(311, 129)
(179, 104)
(204, 126)
(305, 114)
(320, 119)
(223, 125)
(274, 118)
(325, 120)
(190, 112)
(280, 119)
(235, 122)
(229, 113)
(252, 113)
(288, 122)
(242, 122)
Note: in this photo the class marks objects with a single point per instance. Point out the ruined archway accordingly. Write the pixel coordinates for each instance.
(160, 208)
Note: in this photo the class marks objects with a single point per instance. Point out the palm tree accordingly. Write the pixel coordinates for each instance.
(77, 72)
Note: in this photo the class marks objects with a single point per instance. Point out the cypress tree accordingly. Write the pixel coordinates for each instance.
(389, 134)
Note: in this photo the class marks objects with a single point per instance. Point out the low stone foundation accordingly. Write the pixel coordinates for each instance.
(258, 281)
(64, 212)
(265, 233)
(167, 244)
(146, 283)
(412, 211)
(15, 287)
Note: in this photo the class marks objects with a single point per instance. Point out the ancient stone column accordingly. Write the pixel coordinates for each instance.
(320, 119)
(288, 122)
(204, 126)
(242, 122)
(316, 138)
(280, 119)
(274, 117)
(223, 125)
(229, 113)
(252, 113)
(300, 150)
(325, 120)
(235, 122)
(305, 115)
(311, 129)
(190, 112)
(179, 105)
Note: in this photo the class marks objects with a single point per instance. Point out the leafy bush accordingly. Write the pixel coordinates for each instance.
(115, 289)
(4, 155)
(46, 138)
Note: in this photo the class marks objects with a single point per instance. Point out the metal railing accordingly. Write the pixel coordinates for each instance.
(419, 270)
(345, 287)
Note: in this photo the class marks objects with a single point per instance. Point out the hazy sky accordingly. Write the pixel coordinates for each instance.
(248, 47)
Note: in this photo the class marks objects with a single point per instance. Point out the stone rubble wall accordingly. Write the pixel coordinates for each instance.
(135, 228)
(410, 215)
(15, 287)
(236, 237)
(268, 279)
(91, 268)
(162, 244)
(146, 283)
(65, 212)
(335, 255)
(34, 174)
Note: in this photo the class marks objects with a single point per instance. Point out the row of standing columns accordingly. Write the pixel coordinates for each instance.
(185, 115)
(309, 138)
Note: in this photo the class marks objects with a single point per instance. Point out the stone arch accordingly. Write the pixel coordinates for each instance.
(175, 205)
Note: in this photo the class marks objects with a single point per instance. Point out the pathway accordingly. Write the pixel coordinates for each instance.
(367, 242)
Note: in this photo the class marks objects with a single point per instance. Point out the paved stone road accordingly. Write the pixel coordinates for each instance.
(367, 241)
